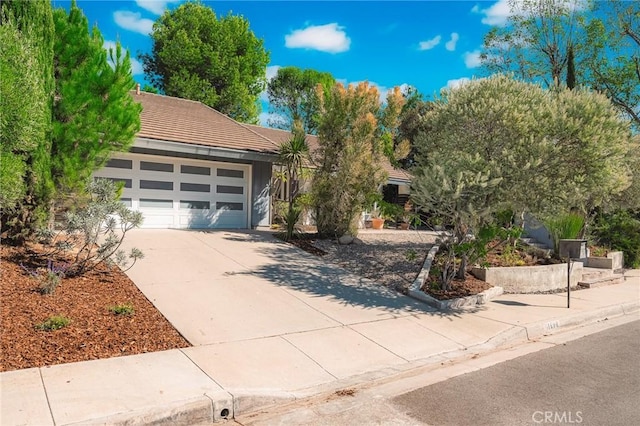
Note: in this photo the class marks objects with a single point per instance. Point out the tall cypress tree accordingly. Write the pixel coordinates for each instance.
(94, 113)
(28, 28)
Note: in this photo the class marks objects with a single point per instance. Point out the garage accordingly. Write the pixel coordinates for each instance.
(183, 193)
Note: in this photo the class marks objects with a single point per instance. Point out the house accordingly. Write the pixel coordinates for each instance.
(193, 167)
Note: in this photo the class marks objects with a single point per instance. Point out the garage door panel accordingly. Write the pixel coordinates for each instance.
(182, 193)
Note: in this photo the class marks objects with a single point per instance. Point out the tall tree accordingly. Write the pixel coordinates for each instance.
(571, 69)
(26, 81)
(350, 134)
(94, 112)
(292, 95)
(602, 38)
(534, 44)
(612, 62)
(219, 62)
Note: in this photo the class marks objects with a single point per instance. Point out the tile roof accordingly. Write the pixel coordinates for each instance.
(278, 136)
(181, 120)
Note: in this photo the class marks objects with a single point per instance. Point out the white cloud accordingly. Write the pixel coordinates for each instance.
(272, 71)
(265, 118)
(472, 59)
(451, 44)
(455, 83)
(136, 66)
(330, 38)
(429, 44)
(133, 21)
(498, 14)
(155, 6)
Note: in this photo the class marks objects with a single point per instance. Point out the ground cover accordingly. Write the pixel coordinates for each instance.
(108, 316)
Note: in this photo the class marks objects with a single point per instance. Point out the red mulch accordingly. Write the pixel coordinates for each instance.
(94, 332)
(470, 286)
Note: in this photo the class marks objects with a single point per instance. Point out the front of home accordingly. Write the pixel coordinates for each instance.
(193, 167)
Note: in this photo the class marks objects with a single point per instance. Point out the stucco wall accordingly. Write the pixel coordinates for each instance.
(260, 199)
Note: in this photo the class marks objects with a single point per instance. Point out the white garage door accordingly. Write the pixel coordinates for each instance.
(179, 193)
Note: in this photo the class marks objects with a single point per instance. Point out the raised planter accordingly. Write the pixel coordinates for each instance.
(613, 261)
(530, 279)
(443, 305)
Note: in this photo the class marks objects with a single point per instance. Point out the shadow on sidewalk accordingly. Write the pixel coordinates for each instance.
(300, 271)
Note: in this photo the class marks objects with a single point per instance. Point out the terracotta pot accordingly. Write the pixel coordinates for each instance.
(377, 223)
(404, 225)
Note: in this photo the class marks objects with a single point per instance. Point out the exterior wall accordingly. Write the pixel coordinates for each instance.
(260, 193)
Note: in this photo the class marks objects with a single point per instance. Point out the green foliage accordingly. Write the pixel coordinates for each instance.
(94, 113)
(49, 277)
(411, 255)
(352, 124)
(554, 41)
(52, 323)
(122, 309)
(26, 93)
(562, 227)
(293, 94)
(219, 62)
(95, 232)
(620, 230)
(291, 219)
(150, 89)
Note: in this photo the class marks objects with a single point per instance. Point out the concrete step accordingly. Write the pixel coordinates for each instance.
(594, 273)
(602, 281)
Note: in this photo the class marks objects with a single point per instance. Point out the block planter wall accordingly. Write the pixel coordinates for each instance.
(530, 279)
(614, 261)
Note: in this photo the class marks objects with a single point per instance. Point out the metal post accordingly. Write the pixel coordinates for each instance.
(568, 282)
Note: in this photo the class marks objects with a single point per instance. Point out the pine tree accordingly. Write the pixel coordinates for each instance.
(94, 113)
(571, 69)
(26, 98)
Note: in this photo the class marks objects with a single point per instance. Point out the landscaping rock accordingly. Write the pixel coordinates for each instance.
(346, 239)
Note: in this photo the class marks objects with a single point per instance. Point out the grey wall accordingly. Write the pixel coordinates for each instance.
(260, 187)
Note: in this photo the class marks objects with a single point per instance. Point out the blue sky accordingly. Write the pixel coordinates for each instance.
(425, 44)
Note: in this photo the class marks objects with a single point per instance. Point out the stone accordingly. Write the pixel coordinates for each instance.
(346, 239)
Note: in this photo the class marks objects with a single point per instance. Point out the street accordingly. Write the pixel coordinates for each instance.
(562, 379)
(594, 380)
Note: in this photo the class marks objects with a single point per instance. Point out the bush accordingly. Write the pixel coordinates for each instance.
(620, 230)
(55, 322)
(564, 227)
(95, 232)
(48, 278)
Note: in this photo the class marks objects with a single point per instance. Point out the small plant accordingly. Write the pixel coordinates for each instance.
(48, 278)
(55, 322)
(122, 309)
(95, 232)
(411, 255)
(598, 251)
(291, 221)
(564, 227)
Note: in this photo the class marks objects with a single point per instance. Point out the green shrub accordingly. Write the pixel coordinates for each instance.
(122, 309)
(55, 322)
(620, 230)
(95, 232)
(564, 227)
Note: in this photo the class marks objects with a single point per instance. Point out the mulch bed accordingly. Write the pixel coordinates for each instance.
(303, 242)
(94, 331)
(459, 288)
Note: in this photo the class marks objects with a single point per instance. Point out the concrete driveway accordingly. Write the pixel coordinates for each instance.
(222, 286)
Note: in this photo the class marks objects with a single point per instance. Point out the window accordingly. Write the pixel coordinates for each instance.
(195, 170)
(117, 163)
(226, 189)
(156, 184)
(156, 167)
(223, 205)
(159, 204)
(204, 205)
(195, 187)
(230, 173)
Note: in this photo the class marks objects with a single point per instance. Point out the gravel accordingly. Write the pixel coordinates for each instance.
(389, 257)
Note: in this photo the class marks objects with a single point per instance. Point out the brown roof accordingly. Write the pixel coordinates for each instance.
(181, 120)
(278, 136)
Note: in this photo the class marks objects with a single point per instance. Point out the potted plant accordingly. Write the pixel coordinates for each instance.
(377, 221)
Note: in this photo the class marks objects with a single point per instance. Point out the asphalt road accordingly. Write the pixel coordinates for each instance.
(594, 380)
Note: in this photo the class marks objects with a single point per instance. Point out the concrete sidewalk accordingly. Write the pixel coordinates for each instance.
(270, 323)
